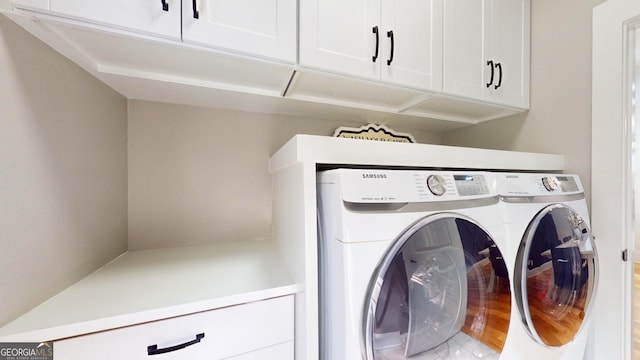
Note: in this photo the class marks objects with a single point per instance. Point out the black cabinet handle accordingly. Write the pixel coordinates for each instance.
(165, 5)
(196, 13)
(499, 66)
(375, 31)
(490, 64)
(153, 349)
(390, 36)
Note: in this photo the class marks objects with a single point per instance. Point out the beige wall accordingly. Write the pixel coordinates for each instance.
(560, 117)
(62, 172)
(201, 175)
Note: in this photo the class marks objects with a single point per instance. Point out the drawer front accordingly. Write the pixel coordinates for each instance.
(282, 351)
(234, 332)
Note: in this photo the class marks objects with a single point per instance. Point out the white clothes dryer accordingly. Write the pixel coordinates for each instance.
(551, 253)
(410, 265)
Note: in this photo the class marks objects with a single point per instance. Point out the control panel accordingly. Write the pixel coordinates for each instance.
(560, 183)
(387, 186)
(538, 184)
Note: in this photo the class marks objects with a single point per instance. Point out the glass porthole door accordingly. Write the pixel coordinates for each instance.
(555, 275)
(442, 291)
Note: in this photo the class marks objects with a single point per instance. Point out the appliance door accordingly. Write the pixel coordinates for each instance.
(441, 290)
(555, 275)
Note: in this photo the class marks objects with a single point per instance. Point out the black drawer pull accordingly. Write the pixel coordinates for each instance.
(165, 5)
(153, 349)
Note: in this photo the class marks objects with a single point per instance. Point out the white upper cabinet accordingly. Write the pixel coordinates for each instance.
(265, 28)
(510, 51)
(341, 36)
(486, 50)
(445, 63)
(413, 41)
(398, 42)
(160, 17)
(260, 27)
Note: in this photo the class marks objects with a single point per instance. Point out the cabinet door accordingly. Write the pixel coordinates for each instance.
(486, 50)
(464, 53)
(508, 42)
(153, 17)
(265, 28)
(338, 36)
(414, 28)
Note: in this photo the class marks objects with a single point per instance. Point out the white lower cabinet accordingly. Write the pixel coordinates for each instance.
(259, 330)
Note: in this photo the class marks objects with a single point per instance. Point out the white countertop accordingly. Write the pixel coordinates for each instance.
(147, 285)
(313, 149)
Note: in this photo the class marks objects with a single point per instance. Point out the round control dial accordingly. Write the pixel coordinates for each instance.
(550, 183)
(436, 185)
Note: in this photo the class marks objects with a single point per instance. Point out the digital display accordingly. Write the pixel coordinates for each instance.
(568, 183)
(463, 177)
(470, 184)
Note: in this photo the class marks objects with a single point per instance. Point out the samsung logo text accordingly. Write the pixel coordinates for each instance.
(374, 176)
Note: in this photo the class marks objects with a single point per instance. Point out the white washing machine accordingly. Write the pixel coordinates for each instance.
(411, 265)
(551, 251)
